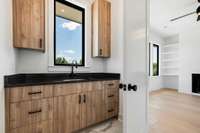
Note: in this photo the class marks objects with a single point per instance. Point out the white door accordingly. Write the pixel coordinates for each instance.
(135, 66)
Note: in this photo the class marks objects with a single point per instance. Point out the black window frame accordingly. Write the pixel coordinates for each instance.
(83, 30)
(158, 58)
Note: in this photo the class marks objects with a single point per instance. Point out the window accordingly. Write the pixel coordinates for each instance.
(155, 60)
(69, 36)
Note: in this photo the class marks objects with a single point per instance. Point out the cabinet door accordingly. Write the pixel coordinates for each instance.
(105, 28)
(41, 127)
(66, 113)
(28, 24)
(95, 104)
(101, 28)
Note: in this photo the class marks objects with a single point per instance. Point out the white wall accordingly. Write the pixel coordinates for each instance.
(172, 39)
(7, 53)
(156, 82)
(189, 56)
(36, 62)
(171, 82)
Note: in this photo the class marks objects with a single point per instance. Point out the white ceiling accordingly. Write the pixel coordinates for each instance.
(161, 11)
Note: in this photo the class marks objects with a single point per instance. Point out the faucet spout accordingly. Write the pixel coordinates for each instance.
(74, 64)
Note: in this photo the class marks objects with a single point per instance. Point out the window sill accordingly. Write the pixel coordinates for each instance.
(67, 68)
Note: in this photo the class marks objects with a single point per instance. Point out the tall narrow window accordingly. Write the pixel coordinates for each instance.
(155, 60)
(69, 34)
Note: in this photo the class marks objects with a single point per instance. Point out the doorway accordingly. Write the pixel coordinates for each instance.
(174, 28)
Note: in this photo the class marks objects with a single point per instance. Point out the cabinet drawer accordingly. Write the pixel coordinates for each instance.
(40, 127)
(30, 112)
(66, 89)
(111, 84)
(29, 93)
(90, 86)
(111, 95)
(85, 87)
(112, 109)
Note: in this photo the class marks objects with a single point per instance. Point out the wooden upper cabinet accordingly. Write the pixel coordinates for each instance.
(29, 24)
(101, 28)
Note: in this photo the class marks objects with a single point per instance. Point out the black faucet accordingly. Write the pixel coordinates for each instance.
(74, 64)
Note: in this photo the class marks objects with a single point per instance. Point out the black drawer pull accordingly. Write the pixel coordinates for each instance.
(111, 84)
(35, 112)
(84, 100)
(40, 44)
(111, 96)
(100, 52)
(34, 93)
(80, 99)
(111, 110)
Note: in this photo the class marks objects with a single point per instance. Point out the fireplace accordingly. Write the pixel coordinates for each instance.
(196, 83)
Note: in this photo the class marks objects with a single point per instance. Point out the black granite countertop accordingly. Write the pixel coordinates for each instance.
(20, 80)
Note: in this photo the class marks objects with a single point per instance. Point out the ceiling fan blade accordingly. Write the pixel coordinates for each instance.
(174, 19)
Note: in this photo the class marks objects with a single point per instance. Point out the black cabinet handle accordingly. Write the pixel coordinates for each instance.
(111, 110)
(111, 96)
(34, 93)
(35, 112)
(80, 99)
(40, 44)
(84, 98)
(111, 84)
(100, 51)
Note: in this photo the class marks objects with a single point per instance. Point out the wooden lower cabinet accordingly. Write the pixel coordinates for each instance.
(30, 112)
(66, 113)
(63, 111)
(41, 127)
(95, 104)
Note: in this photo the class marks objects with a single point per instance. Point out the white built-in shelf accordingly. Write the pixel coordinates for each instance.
(171, 46)
(170, 60)
(169, 53)
(170, 67)
(172, 74)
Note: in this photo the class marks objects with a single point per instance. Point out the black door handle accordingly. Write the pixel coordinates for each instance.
(132, 87)
(122, 86)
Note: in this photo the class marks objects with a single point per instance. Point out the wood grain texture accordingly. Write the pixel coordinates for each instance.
(95, 104)
(29, 112)
(20, 94)
(40, 127)
(173, 112)
(111, 98)
(101, 28)
(66, 113)
(7, 110)
(66, 89)
(29, 24)
(64, 107)
(105, 27)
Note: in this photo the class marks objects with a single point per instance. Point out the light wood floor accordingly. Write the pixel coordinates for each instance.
(172, 112)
